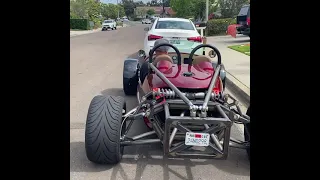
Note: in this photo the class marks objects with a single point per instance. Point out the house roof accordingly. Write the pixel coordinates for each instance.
(158, 9)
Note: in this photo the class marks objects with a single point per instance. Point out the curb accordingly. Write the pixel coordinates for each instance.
(241, 91)
(88, 32)
(93, 31)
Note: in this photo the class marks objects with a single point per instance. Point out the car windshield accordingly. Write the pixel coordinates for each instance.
(244, 11)
(108, 21)
(174, 25)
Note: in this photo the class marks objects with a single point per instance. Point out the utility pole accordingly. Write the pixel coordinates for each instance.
(207, 10)
(118, 8)
(163, 8)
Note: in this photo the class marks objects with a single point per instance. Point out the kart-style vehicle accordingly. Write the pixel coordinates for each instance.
(183, 102)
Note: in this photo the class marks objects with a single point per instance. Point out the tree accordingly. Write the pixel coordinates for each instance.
(139, 4)
(93, 8)
(111, 11)
(199, 8)
(230, 8)
(166, 3)
(151, 12)
(141, 12)
(129, 7)
(78, 9)
(121, 11)
(156, 3)
(181, 7)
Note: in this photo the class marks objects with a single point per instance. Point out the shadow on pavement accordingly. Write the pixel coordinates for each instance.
(237, 162)
(151, 155)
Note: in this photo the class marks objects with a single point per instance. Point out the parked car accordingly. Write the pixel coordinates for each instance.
(146, 21)
(243, 23)
(109, 24)
(180, 32)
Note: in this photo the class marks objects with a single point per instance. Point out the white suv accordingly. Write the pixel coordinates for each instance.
(109, 24)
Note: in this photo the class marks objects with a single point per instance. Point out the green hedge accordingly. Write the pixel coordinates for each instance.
(119, 23)
(219, 26)
(82, 24)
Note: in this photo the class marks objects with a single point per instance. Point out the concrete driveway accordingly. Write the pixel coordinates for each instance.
(96, 68)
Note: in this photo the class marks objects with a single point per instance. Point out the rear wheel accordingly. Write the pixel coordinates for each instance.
(104, 129)
(247, 131)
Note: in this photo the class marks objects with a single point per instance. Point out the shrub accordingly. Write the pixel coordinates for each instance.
(119, 23)
(82, 24)
(219, 26)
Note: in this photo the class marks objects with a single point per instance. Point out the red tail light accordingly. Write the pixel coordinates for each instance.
(248, 21)
(152, 37)
(195, 39)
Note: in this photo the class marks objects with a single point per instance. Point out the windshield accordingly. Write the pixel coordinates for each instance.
(244, 11)
(108, 21)
(174, 25)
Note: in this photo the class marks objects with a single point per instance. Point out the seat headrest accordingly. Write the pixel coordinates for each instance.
(201, 58)
(162, 57)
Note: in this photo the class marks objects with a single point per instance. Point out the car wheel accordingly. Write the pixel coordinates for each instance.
(247, 131)
(104, 129)
(130, 86)
(115, 28)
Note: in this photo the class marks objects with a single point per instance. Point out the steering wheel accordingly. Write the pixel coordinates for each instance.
(165, 44)
(201, 46)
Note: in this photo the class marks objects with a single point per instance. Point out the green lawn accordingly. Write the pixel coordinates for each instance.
(243, 48)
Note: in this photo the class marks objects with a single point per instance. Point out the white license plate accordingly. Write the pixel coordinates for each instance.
(174, 41)
(197, 139)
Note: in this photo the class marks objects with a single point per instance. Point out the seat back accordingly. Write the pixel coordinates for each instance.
(164, 65)
(162, 57)
(201, 58)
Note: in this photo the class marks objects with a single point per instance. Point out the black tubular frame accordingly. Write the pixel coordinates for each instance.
(173, 134)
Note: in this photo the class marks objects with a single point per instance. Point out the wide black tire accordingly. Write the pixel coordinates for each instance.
(115, 28)
(247, 130)
(130, 85)
(103, 128)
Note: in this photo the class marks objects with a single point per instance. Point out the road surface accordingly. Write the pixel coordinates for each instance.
(96, 64)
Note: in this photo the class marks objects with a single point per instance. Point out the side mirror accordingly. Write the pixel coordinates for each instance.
(146, 29)
(141, 53)
(212, 54)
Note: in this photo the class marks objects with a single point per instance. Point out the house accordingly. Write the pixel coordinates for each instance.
(141, 12)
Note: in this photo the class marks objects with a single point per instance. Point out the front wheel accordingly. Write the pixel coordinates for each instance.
(104, 129)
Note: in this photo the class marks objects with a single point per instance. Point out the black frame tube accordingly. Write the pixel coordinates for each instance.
(165, 44)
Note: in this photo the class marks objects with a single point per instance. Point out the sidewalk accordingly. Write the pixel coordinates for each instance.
(77, 33)
(237, 64)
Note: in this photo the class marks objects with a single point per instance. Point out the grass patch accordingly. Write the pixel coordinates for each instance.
(243, 48)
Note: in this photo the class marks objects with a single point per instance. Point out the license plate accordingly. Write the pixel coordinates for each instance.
(197, 139)
(175, 41)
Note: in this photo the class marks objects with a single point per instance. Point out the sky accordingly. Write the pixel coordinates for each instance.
(115, 1)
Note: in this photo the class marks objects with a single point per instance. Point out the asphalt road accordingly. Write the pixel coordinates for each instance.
(96, 64)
